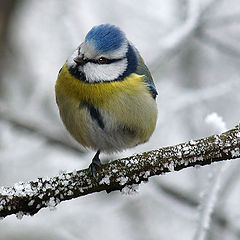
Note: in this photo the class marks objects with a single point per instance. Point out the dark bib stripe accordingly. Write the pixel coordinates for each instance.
(94, 113)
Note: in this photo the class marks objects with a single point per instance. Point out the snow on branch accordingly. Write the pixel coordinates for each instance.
(122, 174)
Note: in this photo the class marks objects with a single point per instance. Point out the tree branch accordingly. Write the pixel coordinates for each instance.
(28, 198)
(218, 44)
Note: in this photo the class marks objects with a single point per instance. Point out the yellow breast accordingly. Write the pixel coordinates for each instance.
(96, 93)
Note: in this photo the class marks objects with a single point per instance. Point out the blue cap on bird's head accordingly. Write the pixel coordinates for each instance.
(106, 37)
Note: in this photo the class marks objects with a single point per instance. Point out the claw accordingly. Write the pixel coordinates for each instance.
(95, 165)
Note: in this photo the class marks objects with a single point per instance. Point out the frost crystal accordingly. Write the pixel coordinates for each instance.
(130, 190)
(171, 166)
(192, 142)
(69, 193)
(235, 152)
(19, 215)
(105, 180)
(122, 180)
(147, 174)
(31, 203)
(52, 203)
(179, 154)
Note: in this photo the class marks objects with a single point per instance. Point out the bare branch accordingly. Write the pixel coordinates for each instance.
(30, 197)
(213, 41)
(221, 21)
(197, 96)
(174, 41)
(191, 200)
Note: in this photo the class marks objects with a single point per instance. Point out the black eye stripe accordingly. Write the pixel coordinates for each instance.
(109, 61)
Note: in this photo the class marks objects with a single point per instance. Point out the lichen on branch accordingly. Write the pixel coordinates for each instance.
(28, 198)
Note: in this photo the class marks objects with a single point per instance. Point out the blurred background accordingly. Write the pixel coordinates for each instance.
(192, 48)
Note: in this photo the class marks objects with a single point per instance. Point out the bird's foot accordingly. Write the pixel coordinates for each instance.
(95, 165)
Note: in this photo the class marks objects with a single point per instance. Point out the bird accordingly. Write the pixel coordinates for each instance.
(106, 95)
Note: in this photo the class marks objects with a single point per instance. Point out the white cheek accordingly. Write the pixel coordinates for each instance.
(105, 72)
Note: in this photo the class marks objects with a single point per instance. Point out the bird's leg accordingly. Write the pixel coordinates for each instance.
(95, 165)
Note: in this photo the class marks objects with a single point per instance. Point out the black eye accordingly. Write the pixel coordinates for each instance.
(103, 60)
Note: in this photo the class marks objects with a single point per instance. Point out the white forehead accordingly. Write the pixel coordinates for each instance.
(89, 51)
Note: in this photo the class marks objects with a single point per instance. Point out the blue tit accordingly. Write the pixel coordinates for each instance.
(105, 94)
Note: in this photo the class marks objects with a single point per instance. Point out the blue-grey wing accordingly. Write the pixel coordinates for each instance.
(143, 70)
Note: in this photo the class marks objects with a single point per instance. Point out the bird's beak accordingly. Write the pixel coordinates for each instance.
(79, 60)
